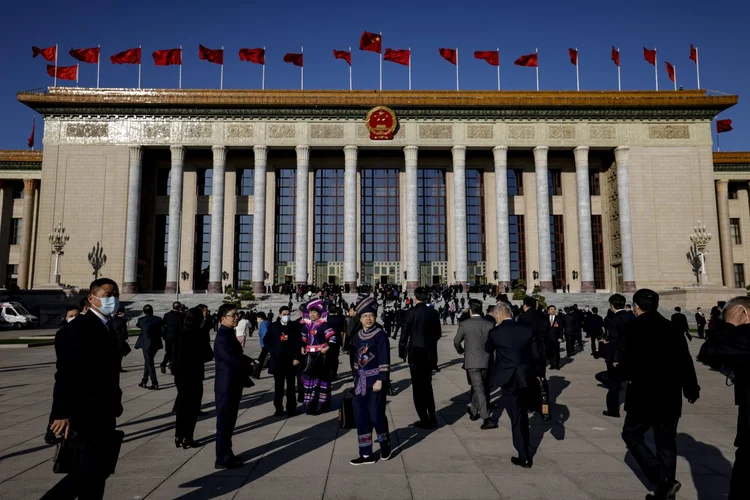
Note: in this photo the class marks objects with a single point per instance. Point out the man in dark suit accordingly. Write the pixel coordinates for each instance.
(233, 368)
(120, 327)
(659, 368)
(173, 326)
(681, 323)
(554, 334)
(85, 407)
(571, 327)
(418, 345)
(518, 367)
(700, 320)
(594, 327)
(284, 342)
(470, 340)
(152, 329)
(537, 321)
(615, 345)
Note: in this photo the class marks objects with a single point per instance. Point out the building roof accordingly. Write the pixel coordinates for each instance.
(427, 103)
(15, 159)
(731, 161)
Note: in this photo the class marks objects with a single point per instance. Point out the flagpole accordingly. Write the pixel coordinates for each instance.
(33, 128)
(619, 85)
(718, 144)
(221, 78)
(697, 68)
(98, 64)
(409, 68)
(350, 69)
(578, 81)
(456, 68)
(78, 72)
(674, 68)
(302, 70)
(656, 68)
(139, 65)
(536, 51)
(180, 81)
(381, 60)
(498, 68)
(55, 84)
(263, 73)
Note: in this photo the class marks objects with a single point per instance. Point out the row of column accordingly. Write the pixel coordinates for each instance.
(500, 153)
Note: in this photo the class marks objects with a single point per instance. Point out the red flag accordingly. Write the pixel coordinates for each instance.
(649, 55)
(398, 56)
(49, 53)
(215, 56)
(449, 55)
(345, 55)
(723, 126)
(616, 56)
(529, 60)
(693, 54)
(295, 59)
(130, 56)
(371, 41)
(86, 55)
(168, 57)
(670, 71)
(33, 129)
(573, 53)
(491, 56)
(257, 56)
(63, 72)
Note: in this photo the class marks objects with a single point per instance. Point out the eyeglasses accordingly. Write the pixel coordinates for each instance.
(230, 315)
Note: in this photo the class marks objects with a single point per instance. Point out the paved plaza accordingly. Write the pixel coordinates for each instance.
(579, 454)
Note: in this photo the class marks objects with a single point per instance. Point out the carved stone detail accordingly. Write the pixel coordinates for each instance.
(157, 131)
(239, 131)
(562, 132)
(435, 131)
(362, 132)
(521, 132)
(282, 131)
(197, 131)
(479, 131)
(87, 130)
(326, 131)
(668, 132)
(598, 132)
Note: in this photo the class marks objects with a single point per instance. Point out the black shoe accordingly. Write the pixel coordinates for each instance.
(229, 464)
(177, 442)
(363, 460)
(190, 443)
(473, 416)
(385, 451)
(488, 424)
(154, 387)
(423, 425)
(123, 370)
(279, 413)
(606, 413)
(164, 369)
(202, 413)
(142, 384)
(291, 413)
(667, 491)
(526, 464)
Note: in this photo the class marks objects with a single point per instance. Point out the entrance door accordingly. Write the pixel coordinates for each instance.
(288, 279)
(331, 280)
(383, 280)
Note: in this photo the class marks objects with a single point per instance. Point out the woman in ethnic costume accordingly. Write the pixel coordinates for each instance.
(317, 339)
(371, 365)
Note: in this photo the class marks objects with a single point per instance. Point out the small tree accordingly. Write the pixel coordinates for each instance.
(231, 297)
(519, 292)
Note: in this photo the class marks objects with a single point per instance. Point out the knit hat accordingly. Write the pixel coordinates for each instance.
(368, 305)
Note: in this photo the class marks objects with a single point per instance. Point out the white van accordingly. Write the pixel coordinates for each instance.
(17, 316)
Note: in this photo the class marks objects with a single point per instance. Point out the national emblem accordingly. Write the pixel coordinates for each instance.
(381, 122)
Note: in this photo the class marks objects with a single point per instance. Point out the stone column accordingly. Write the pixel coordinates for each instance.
(175, 218)
(412, 231)
(501, 216)
(623, 203)
(27, 224)
(301, 222)
(542, 218)
(459, 215)
(585, 242)
(6, 204)
(217, 221)
(350, 217)
(259, 220)
(133, 219)
(725, 237)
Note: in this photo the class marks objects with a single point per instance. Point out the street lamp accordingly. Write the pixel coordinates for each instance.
(700, 239)
(58, 239)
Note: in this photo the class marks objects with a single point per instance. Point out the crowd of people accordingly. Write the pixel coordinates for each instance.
(506, 346)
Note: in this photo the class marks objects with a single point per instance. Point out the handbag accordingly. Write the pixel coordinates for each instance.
(346, 412)
(314, 363)
(63, 461)
(139, 341)
(544, 399)
(66, 454)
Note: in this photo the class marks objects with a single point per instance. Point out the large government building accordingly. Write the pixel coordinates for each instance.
(198, 189)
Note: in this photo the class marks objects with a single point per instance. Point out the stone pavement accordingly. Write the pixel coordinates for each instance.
(579, 454)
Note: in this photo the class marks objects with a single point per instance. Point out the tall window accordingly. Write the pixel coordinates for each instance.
(161, 240)
(243, 249)
(739, 275)
(517, 248)
(381, 225)
(11, 276)
(205, 181)
(245, 184)
(201, 252)
(329, 215)
(597, 239)
(163, 181)
(431, 215)
(594, 184)
(515, 182)
(15, 231)
(475, 215)
(286, 209)
(734, 231)
(554, 179)
(557, 244)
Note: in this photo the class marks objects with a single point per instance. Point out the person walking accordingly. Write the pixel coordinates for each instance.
(554, 336)
(152, 330)
(284, 343)
(681, 323)
(594, 327)
(243, 328)
(659, 370)
(615, 345)
(173, 321)
(700, 320)
(262, 331)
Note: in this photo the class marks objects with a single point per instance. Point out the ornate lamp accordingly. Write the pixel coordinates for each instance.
(58, 239)
(97, 259)
(700, 239)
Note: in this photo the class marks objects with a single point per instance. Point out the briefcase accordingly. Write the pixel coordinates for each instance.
(63, 462)
(346, 412)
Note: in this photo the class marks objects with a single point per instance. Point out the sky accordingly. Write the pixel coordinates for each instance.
(517, 28)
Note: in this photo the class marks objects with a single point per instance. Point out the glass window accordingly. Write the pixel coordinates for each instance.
(431, 215)
(557, 244)
(517, 248)
(594, 183)
(243, 249)
(328, 244)
(15, 231)
(515, 182)
(286, 210)
(739, 275)
(597, 238)
(554, 178)
(380, 240)
(245, 182)
(475, 236)
(734, 231)
(205, 181)
(201, 252)
(163, 181)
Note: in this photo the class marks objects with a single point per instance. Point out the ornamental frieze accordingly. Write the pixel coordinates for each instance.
(561, 132)
(668, 132)
(521, 132)
(157, 131)
(479, 132)
(197, 131)
(282, 131)
(435, 131)
(239, 131)
(326, 131)
(87, 130)
(599, 132)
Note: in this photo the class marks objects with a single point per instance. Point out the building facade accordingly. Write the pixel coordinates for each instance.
(198, 189)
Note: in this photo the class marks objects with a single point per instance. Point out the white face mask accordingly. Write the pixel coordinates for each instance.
(284, 320)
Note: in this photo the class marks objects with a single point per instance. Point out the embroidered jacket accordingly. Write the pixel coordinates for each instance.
(317, 334)
(371, 356)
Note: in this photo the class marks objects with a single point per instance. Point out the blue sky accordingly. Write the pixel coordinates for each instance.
(592, 26)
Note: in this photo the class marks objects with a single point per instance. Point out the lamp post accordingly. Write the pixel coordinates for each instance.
(700, 239)
(58, 239)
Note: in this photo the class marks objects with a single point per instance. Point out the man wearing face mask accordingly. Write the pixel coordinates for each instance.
(85, 408)
(284, 343)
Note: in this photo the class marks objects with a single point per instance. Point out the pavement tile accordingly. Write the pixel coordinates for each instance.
(452, 487)
(366, 487)
(529, 486)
